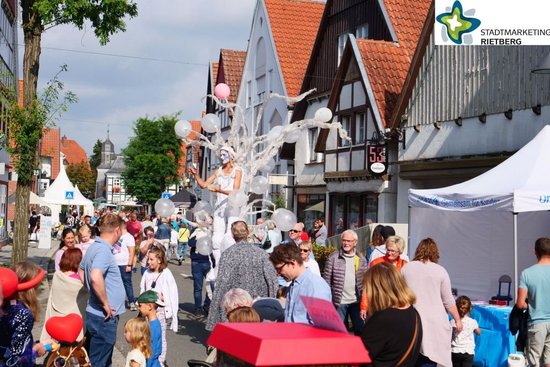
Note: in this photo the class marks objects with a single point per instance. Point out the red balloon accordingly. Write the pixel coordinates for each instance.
(66, 328)
(9, 281)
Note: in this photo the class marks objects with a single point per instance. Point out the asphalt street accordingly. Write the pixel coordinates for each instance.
(190, 340)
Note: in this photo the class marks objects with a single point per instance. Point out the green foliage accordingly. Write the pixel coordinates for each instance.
(106, 17)
(152, 158)
(80, 174)
(321, 254)
(25, 125)
(95, 158)
(279, 200)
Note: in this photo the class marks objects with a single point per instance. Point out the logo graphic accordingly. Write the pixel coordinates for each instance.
(457, 24)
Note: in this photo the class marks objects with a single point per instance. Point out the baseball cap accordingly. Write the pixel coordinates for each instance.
(150, 297)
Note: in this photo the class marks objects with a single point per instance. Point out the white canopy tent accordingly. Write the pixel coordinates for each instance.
(487, 226)
(62, 192)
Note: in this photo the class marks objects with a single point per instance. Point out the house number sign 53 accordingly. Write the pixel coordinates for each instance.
(377, 159)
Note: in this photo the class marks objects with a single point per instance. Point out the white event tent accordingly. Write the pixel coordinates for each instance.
(486, 227)
(62, 192)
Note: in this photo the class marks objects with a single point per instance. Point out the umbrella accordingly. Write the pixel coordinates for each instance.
(319, 207)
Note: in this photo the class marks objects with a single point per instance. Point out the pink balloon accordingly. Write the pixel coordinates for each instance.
(222, 91)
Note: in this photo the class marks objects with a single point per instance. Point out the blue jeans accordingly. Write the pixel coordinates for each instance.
(351, 310)
(127, 281)
(100, 339)
(424, 361)
(182, 250)
(199, 271)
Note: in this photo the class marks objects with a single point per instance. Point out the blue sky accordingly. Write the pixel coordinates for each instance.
(117, 88)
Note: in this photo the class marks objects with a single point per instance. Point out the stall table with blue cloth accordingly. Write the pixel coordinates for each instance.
(495, 343)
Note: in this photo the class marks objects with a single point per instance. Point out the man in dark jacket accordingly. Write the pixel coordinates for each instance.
(200, 266)
(344, 272)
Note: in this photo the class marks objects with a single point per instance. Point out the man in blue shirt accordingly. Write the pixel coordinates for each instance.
(534, 293)
(289, 264)
(106, 291)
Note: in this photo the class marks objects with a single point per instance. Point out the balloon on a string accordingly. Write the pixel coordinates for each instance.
(165, 207)
(231, 211)
(65, 328)
(237, 199)
(222, 91)
(292, 136)
(268, 166)
(258, 185)
(284, 219)
(204, 245)
(182, 128)
(203, 206)
(323, 114)
(274, 133)
(210, 123)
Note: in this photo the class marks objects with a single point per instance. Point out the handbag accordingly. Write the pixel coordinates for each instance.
(267, 243)
(413, 341)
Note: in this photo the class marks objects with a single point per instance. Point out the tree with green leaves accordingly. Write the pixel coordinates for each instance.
(105, 18)
(81, 175)
(152, 158)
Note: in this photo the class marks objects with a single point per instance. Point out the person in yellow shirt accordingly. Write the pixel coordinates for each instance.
(183, 239)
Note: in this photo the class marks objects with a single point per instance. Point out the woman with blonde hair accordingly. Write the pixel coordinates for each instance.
(432, 286)
(393, 331)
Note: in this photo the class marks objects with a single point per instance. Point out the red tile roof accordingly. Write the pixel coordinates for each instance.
(229, 70)
(49, 147)
(294, 25)
(387, 63)
(74, 153)
(214, 72)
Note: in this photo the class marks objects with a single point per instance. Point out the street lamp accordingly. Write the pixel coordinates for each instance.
(543, 67)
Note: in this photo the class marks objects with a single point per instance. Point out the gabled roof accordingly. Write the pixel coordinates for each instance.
(74, 153)
(230, 71)
(118, 165)
(212, 76)
(294, 25)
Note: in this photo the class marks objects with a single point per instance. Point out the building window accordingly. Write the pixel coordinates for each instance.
(362, 31)
(360, 128)
(312, 136)
(352, 211)
(260, 89)
(314, 203)
(341, 45)
(116, 181)
(249, 94)
(346, 125)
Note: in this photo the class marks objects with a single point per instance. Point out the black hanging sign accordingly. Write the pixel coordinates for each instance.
(377, 159)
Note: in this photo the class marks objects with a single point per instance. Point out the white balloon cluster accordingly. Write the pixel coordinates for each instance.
(165, 207)
(254, 153)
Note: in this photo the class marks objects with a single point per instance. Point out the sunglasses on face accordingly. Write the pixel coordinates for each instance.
(294, 231)
(304, 250)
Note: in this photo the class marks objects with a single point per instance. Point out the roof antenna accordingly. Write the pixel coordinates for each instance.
(107, 131)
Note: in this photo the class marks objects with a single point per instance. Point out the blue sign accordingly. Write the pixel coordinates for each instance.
(166, 195)
(69, 195)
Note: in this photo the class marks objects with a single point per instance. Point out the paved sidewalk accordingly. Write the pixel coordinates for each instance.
(44, 258)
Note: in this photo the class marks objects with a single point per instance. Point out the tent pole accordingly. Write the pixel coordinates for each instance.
(515, 256)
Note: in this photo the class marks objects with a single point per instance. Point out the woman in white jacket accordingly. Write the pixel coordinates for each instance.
(160, 279)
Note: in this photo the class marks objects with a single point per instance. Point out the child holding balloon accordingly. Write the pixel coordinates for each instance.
(160, 279)
(20, 310)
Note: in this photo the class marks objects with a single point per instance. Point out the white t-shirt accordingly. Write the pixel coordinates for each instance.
(312, 265)
(136, 356)
(120, 249)
(464, 341)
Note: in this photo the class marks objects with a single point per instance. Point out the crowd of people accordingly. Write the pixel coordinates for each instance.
(399, 308)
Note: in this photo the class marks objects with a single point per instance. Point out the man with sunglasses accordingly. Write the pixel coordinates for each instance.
(288, 263)
(294, 235)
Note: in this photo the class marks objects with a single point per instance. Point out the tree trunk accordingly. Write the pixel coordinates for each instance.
(21, 233)
(32, 30)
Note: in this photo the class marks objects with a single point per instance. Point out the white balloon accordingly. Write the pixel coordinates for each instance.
(268, 166)
(323, 114)
(292, 136)
(237, 199)
(202, 206)
(284, 219)
(204, 245)
(164, 207)
(231, 211)
(274, 133)
(258, 185)
(182, 128)
(210, 123)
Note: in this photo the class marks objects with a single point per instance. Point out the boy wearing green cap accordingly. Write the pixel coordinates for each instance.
(148, 303)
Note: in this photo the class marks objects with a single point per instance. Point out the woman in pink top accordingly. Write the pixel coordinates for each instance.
(432, 286)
